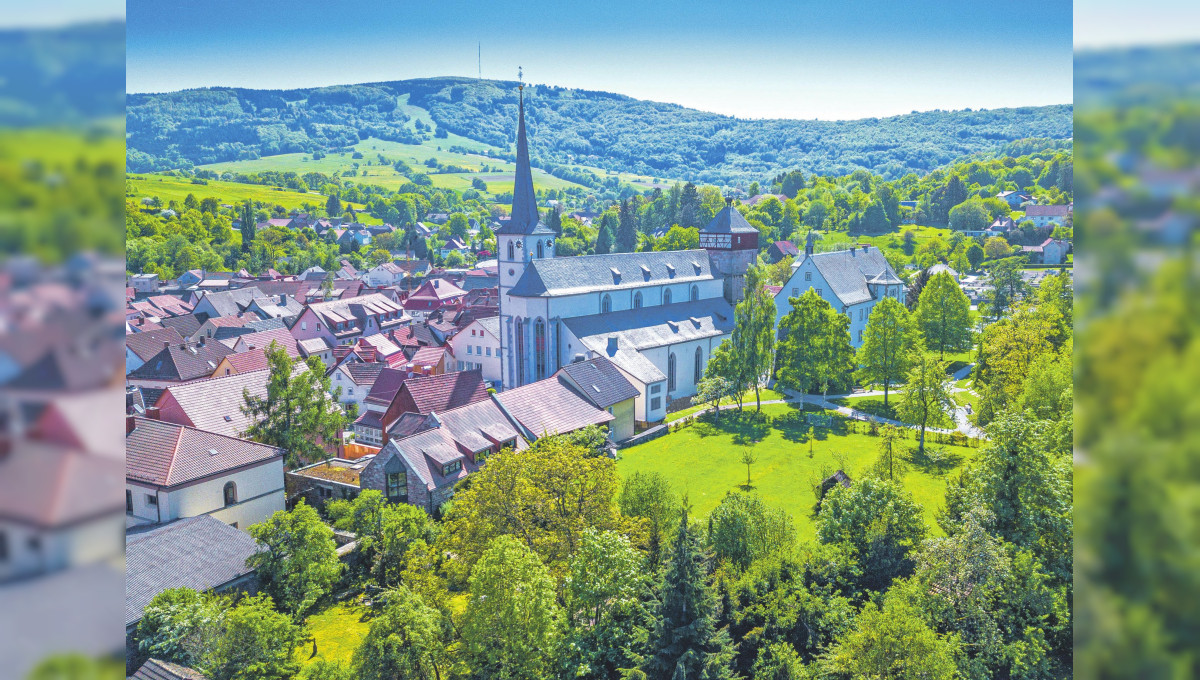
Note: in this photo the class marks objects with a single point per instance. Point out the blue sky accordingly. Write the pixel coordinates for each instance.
(793, 59)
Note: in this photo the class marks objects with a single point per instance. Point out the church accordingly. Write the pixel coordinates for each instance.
(657, 316)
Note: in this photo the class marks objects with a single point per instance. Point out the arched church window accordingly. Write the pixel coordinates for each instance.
(541, 250)
(695, 293)
(606, 304)
(230, 493)
(520, 354)
(539, 348)
(667, 296)
(699, 372)
(511, 253)
(671, 372)
(637, 300)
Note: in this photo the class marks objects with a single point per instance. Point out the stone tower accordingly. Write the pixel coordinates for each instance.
(732, 245)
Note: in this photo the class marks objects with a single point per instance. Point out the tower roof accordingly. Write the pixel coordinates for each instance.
(729, 221)
(525, 216)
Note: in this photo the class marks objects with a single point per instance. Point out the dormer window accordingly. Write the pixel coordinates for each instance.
(450, 468)
(645, 272)
(671, 271)
(616, 274)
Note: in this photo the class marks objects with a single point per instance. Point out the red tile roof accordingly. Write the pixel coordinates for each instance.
(216, 405)
(166, 454)
(57, 485)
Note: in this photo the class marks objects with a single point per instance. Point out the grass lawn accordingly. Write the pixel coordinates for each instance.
(747, 402)
(170, 189)
(963, 398)
(872, 404)
(338, 630)
(704, 461)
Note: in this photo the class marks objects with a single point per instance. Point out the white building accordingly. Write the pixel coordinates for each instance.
(174, 471)
(852, 281)
(657, 316)
(477, 345)
(386, 274)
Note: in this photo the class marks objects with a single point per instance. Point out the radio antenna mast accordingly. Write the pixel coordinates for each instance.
(481, 60)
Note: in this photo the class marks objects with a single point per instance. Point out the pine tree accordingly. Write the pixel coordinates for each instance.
(689, 206)
(685, 642)
(333, 206)
(604, 239)
(627, 235)
(248, 227)
(554, 220)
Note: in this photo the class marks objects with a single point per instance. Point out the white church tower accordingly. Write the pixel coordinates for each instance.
(524, 238)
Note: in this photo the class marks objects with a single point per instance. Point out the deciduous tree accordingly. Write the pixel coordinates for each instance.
(926, 399)
(944, 315)
(297, 562)
(814, 349)
(888, 342)
(298, 413)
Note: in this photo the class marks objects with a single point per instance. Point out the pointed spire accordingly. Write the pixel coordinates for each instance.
(524, 206)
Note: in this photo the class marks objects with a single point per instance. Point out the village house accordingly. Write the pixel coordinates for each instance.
(385, 274)
(1015, 199)
(343, 322)
(144, 283)
(281, 306)
(1050, 251)
(602, 383)
(432, 296)
(427, 361)
(318, 347)
(208, 329)
(455, 245)
(355, 379)
(781, 249)
(395, 393)
(225, 303)
(178, 363)
(174, 471)
(477, 345)
(1045, 215)
(213, 405)
(141, 346)
(852, 281)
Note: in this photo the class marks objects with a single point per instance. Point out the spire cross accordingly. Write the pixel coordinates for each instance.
(520, 79)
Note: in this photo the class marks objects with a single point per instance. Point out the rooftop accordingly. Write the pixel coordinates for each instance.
(166, 454)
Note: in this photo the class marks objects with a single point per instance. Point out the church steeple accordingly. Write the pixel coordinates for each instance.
(525, 217)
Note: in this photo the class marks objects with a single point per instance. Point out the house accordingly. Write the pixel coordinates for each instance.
(759, 198)
(141, 346)
(549, 407)
(144, 283)
(602, 383)
(428, 361)
(386, 274)
(852, 281)
(174, 471)
(202, 553)
(433, 295)
(416, 269)
(343, 322)
(1045, 215)
(395, 393)
(781, 249)
(314, 273)
(281, 306)
(355, 378)
(385, 351)
(941, 268)
(186, 325)
(179, 363)
(155, 669)
(81, 422)
(437, 218)
(263, 340)
(208, 329)
(1015, 199)
(225, 303)
(213, 405)
(1050, 251)
(477, 345)
(455, 245)
(318, 347)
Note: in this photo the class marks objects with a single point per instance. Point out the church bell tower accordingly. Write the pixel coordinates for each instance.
(732, 246)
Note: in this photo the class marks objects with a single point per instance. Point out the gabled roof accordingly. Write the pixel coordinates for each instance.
(589, 273)
(787, 248)
(312, 346)
(215, 405)
(54, 486)
(436, 289)
(263, 339)
(728, 221)
(354, 308)
(551, 406)
(185, 324)
(848, 271)
(386, 385)
(230, 302)
(363, 372)
(382, 343)
(166, 454)
(148, 343)
(600, 381)
(251, 360)
(1047, 210)
(428, 356)
(181, 362)
(437, 393)
(200, 553)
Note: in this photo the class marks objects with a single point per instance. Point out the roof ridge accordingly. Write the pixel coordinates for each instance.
(174, 453)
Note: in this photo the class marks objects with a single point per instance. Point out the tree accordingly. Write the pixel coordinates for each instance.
(604, 238)
(814, 352)
(888, 342)
(779, 661)
(298, 414)
(458, 226)
(725, 365)
(604, 607)
(1006, 285)
(970, 216)
(454, 259)
(753, 335)
(170, 625)
(926, 400)
(975, 255)
(893, 642)
(944, 315)
(874, 218)
(250, 640)
(743, 529)
(512, 626)
(996, 247)
(333, 205)
(648, 495)
(879, 522)
(554, 220)
(891, 464)
(679, 238)
(627, 232)
(685, 641)
(689, 206)
(248, 227)
(405, 642)
(384, 531)
(711, 390)
(748, 459)
(297, 562)
(915, 286)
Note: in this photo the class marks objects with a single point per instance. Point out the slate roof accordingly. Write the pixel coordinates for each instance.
(272, 307)
(590, 273)
(364, 373)
(148, 343)
(166, 454)
(355, 309)
(179, 362)
(382, 344)
(491, 324)
(848, 271)
(57, 485)
(312, 346)
(436, 393)
(200, 553)
(154, 669)
(230, 302)
(386, 385)
(600, 381)
(216, 405)
(185, 324)
(551, 406)
(728, 221)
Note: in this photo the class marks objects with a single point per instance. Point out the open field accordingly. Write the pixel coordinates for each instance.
(704, 462)
(170, 188)
(338, 631)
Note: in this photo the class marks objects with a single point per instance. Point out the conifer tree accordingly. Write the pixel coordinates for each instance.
(686, 642)
(248, 227)
(627, 234)
(604, 239)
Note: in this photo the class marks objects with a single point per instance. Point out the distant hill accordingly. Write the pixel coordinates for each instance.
(1136, 75)
(568, 127)
(64, 75)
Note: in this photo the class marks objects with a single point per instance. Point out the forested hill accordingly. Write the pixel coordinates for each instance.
(62, 76)
(568, 126)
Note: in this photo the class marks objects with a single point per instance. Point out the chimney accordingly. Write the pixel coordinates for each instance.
(166, 344)
(612, 345)
(283, 298)
(153, 413)
(130, 424)
(864, 246)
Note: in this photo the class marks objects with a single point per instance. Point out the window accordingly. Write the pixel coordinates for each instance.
(539, 349)
(351, 392)
(667, 296)
(450, 468)
(695, 293)
(655, 403)
(151, 499)
(656, 388)
(819, 292)
(541, 250)
(808, 276)
(3, 547)
(489, 351)
(860, 336)
(511, 254)
(468, 349)
(128, 501)
(479, 349)
(230, 493)
(303, 325)
(671, 372)
(396, 481)
(606, 304)
(637, 300)
(699, 372)
(795, 292)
